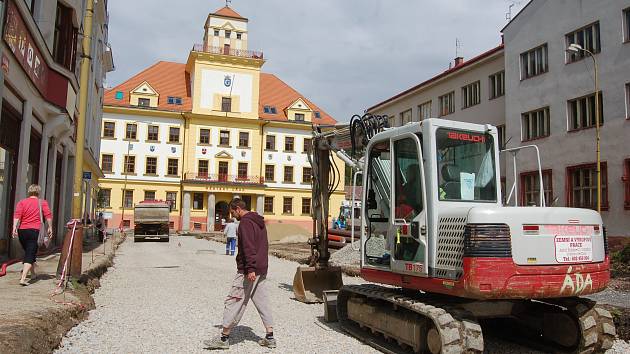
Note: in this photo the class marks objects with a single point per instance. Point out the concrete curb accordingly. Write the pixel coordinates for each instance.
(42, 331)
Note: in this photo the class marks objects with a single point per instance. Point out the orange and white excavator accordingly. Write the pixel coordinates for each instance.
(441, 251)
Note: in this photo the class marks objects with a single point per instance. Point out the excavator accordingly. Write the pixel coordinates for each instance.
(439, 250)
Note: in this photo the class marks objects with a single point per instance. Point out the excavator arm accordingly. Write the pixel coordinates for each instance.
(347, 142)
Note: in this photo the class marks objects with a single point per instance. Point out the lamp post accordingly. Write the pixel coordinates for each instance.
(575, 48)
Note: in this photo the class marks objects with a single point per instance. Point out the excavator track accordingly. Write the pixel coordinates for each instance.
(435, 328)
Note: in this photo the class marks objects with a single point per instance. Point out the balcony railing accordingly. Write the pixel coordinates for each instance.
(223, 178)
(242, 53)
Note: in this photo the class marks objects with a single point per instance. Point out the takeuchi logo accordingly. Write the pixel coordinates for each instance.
(467, 137)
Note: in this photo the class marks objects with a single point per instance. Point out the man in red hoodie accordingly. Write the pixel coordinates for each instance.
(250, 281)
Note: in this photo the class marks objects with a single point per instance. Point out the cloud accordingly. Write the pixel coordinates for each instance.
(345, 55)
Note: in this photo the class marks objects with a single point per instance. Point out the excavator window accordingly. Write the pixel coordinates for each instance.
(408, 184)
(378, 205)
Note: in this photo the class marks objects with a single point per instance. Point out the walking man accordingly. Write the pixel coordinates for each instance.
(250, 281)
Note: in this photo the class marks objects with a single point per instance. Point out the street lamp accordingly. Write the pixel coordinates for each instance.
(575, 48)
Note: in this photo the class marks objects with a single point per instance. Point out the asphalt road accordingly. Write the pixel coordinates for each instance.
(168, 298)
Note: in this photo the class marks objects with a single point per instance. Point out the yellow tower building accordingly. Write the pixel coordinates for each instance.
(201, 133)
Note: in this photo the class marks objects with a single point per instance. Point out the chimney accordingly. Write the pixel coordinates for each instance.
(459, 61)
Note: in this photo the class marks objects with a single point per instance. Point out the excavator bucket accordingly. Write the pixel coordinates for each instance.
(309, 283)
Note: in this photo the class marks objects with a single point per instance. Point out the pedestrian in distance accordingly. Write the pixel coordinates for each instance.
(250, 281)
(230, 233)
(28, 219)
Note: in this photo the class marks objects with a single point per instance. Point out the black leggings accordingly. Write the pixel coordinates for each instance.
(28, 240)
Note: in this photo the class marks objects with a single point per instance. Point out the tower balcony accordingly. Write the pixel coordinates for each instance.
(211, 178)
(227, 50)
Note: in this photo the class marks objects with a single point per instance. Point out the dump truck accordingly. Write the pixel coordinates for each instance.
(151, 221)
(442, 252)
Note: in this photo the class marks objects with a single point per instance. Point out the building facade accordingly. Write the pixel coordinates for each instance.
(550, 102)
(39, 89)
(536, 93)
(241, 132)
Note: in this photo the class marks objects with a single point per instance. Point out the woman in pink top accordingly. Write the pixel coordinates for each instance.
(26, 224)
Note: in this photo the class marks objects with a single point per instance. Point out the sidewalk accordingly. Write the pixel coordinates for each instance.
(31, 321)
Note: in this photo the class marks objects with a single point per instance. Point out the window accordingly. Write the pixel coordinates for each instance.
(243, 139)
(628, 101)
(626, 19)
(130, 164)
(447, 104)
(466, 163)
(424, 111)
(270, 143)
(534, 62)
(174, 100)
(128, 199)
(306, 206)
(588, 38)
(530, 188)
(224, 138)
(289, 143)
(535, 124)
(242, 170)
(204, 136)
(582, 186)
(377, 204)
(132, 131)
(226, 104)
(306, 175)
(109, 129)
(269, 205)
(267, 109)
(107, 163)
(144, 102)
(171, 199)
(497, 85)
(223, 171)
(407, 180)
(501, 136)
(239, 35)
(198, 201)
(318, 114)
(149, 195)
(153, 133)
(216, 32)
(287, 205)
(202, 168)
(299, 117)
(65, 39)
(273, 110)
(151, 166)
(104, 198)
(119, 95)
(228, 34)
(405, 117)
(270, 172)
(308, 145)
(288, 174)
(471, 95)
(626, 181)
(582, 112)
(173, 167)
(173, 135)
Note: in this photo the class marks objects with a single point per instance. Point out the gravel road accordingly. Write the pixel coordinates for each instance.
(168, 298)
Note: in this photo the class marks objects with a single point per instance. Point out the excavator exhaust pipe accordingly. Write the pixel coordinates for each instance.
(309, 283)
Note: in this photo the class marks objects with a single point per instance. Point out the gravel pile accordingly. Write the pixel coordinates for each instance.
(168, 298)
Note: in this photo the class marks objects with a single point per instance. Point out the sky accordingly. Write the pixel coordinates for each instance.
(344, 55)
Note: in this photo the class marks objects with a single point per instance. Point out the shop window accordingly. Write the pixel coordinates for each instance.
(287, 205)
(530, 188)
(269, 205)
(582, 186)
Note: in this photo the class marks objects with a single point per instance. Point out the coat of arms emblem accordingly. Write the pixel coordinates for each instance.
(227, 81)
(152, 148)
(204, 151)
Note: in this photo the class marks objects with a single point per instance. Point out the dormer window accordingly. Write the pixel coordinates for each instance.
(144, 102)
(273, 110)
(119, 95)
(317, 114)
(269, 109)
(228, 34)
(299, 117)
(174, 100)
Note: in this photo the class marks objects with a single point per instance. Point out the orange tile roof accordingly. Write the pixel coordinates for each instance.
(228, 12)
(171, 79)
(167, 78)
(275, 92)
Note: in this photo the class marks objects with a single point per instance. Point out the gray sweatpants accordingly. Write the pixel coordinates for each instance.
(236, 302)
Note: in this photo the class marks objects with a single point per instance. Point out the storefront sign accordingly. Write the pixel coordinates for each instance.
(21, 43)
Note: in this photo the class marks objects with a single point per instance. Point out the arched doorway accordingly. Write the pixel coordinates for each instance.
(221, 211)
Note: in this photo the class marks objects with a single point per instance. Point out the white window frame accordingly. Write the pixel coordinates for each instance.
(496, 85)
(543, 132)
(471, 95)
(424, 110)
(447, 101)
(532, 54)
(595, 47)
(590, 116)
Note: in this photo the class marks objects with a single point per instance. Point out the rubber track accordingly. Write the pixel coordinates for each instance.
(460, 333)
(596, 324)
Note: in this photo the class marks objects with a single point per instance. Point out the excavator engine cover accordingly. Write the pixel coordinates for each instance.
(309, 283)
